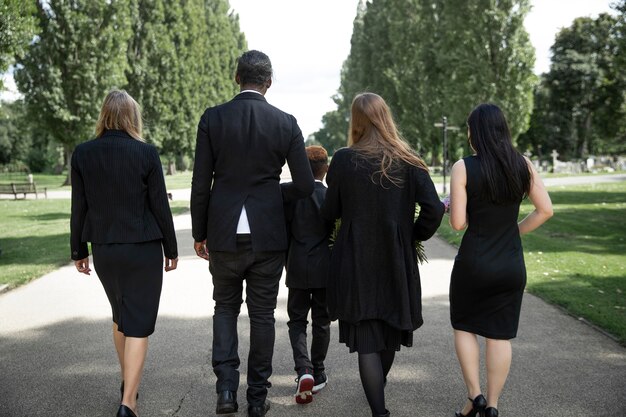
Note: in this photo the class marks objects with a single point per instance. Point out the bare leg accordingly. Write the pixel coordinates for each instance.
(468, 353)
(134, 358)
(498, 359)
(120, 341)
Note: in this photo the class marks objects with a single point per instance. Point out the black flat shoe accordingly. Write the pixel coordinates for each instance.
(226, 402)
(125, 412)
(259, 410)
(122, 392)
(478, 407)
(491, 412)
(381, 415)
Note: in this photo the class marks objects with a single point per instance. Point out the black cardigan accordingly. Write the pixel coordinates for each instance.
(118, 195)
(373, 267)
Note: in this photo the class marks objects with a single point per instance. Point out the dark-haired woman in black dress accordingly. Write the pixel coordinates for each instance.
(489, 275)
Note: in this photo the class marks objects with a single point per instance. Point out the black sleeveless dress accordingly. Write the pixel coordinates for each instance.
(489, 275)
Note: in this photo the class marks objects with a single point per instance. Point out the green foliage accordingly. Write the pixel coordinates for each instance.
(586, 87)
(79, 56)
(174, 58)
(181, 60)
(17, 27)
(426, 61)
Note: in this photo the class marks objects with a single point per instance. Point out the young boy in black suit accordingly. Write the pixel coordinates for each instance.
(307, 269)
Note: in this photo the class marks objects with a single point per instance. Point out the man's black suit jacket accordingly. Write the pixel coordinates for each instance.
(308, 256)
(241, 148)
(118, 195)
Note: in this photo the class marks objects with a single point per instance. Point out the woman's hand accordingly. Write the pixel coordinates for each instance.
(170, 264)
(82, 265)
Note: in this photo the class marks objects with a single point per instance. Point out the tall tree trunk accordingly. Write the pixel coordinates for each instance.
(68, 163)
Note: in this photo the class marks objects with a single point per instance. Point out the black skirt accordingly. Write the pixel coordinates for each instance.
(370, 336)
(132, 277)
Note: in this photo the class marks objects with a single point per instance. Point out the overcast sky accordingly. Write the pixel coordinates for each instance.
(308, 40)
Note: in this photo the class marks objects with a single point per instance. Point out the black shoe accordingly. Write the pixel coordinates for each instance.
(320, 382)
(259, 410)
(226, 402)
(125, 412)
(381, 415)
(478, 407)
(491, 412)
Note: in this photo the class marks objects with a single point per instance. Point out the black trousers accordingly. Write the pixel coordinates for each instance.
(262, 272)
(299, 302)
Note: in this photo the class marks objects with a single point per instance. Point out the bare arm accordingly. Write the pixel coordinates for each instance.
(540, 199)
(458, 196)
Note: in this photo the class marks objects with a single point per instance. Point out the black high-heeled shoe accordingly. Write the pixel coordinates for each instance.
(122, 392)
(491, 412)
(478, 407)
(124, 411)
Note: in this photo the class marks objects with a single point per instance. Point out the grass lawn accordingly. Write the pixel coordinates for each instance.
(35, 237)
(55, 182)
(577, 260)
(49, 181)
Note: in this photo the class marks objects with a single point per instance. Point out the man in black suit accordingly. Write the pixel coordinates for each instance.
(237, 216)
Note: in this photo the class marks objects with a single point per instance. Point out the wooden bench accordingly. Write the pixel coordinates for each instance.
(22, 188)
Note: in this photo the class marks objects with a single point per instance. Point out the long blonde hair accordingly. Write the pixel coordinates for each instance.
(375, 135)
(120, 112)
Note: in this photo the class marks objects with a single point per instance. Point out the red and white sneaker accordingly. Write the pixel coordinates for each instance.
(304, 394)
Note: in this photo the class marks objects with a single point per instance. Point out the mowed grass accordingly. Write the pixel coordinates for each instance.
(577, 260)
(55, 182)
(35, 235)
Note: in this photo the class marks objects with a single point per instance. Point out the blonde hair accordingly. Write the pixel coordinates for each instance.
(375, 135)
(120, 112)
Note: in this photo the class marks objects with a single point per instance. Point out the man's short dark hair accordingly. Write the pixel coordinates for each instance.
(254, 67)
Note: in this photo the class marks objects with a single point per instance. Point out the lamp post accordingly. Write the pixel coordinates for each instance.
(444, 128)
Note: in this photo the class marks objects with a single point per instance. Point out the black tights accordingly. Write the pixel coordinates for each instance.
(373, 368)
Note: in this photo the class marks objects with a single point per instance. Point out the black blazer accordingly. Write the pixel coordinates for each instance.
(373, 266)
(118, 195)
(241, 148)
(308, 255)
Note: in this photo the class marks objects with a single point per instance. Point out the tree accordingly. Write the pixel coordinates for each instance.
(586, 86)
(181, 59)
(17, 27)
(78, 57)
(426, 61)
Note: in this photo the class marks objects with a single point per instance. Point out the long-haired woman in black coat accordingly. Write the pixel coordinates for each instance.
(120, 205)
(374, 285)
(489, 276)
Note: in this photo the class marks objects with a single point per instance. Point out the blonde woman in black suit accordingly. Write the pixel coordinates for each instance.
(119, 204)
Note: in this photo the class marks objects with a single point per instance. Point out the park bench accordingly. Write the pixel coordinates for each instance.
(22, 188)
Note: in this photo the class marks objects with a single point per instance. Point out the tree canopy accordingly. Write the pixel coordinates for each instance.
(174, 58)
(426, 61)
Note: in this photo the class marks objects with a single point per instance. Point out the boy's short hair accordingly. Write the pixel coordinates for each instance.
(318, 158)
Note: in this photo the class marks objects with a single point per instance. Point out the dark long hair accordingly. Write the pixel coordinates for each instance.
(506, 174)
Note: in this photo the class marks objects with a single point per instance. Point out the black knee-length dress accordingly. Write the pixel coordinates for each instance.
(489, 275)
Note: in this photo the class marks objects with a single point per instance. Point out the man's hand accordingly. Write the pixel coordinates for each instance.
(170, 264)
(201, 251)
(82, 266)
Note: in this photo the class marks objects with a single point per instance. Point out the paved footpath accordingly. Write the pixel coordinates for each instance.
(57, 357)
